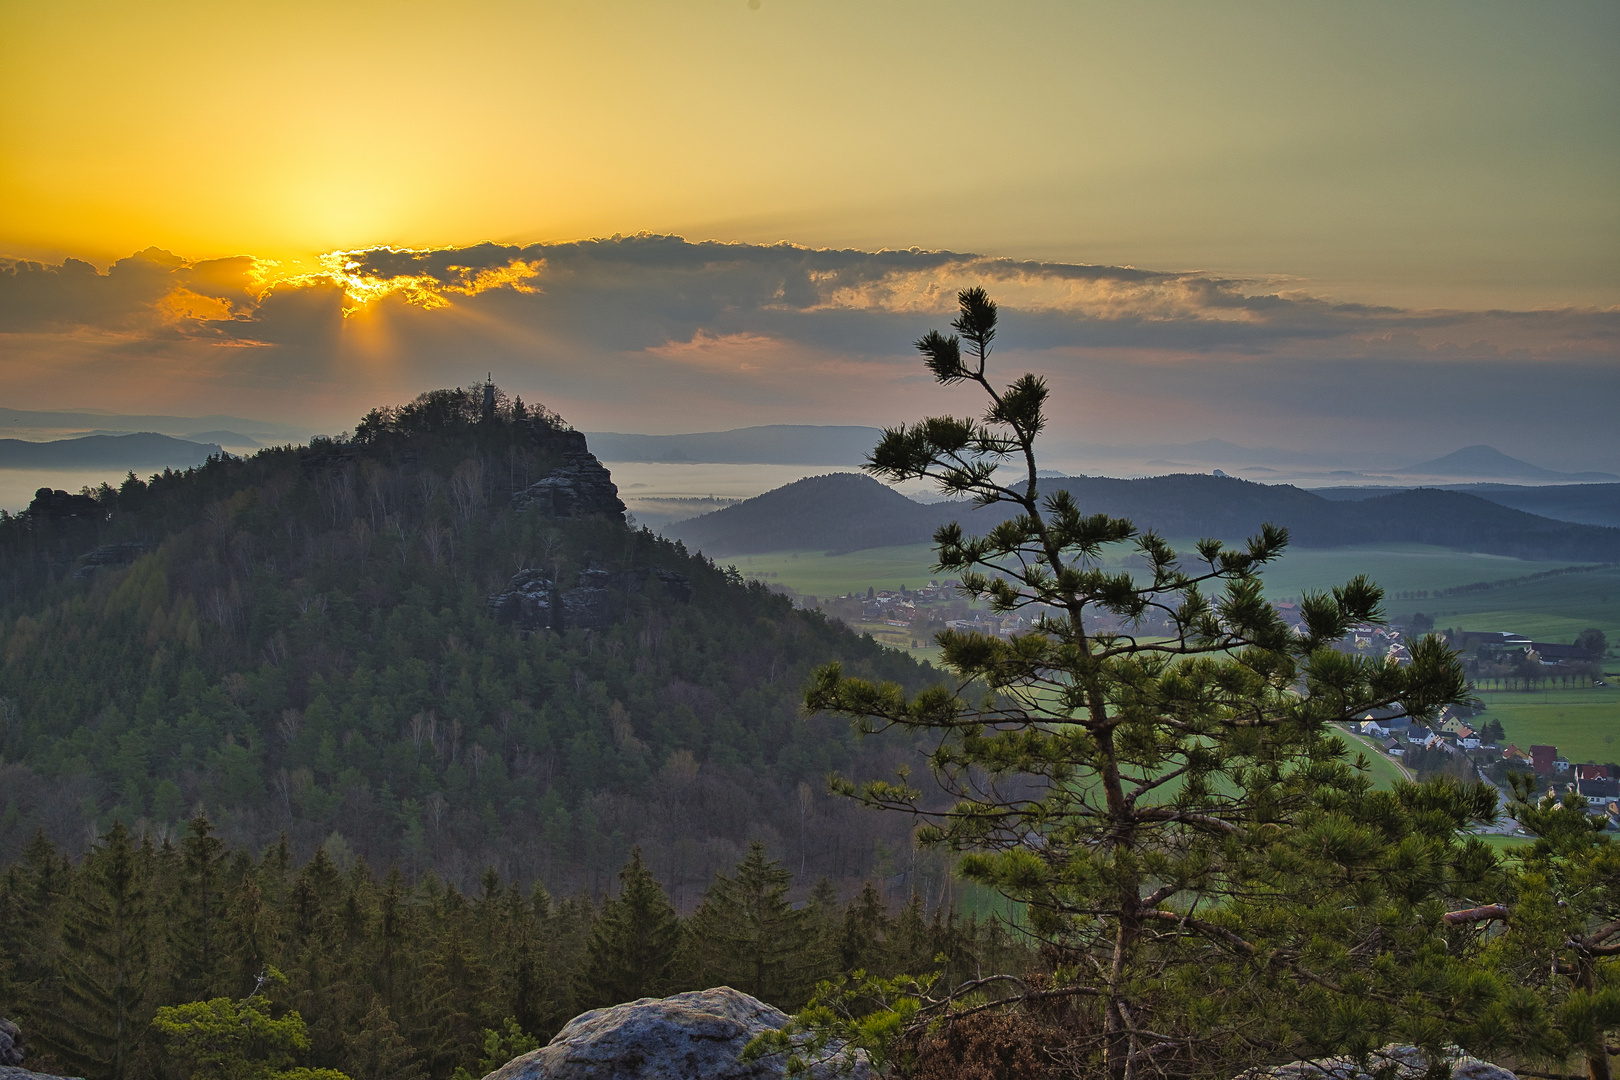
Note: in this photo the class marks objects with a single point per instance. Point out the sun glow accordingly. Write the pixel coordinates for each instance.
(361, 287)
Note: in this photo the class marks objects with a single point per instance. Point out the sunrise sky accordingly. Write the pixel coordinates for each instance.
(1285, 223)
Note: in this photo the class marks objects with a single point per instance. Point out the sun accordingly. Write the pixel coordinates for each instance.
(361, 287)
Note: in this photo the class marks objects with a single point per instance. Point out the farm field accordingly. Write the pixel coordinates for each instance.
(1554, 608)
(819, 574)
(1583, 723)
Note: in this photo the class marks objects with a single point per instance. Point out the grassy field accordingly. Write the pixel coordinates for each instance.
(1584, 724)
(1385, 769)
(1552, 609)
(823, 575)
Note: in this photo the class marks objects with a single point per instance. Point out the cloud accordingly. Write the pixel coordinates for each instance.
(660, 333)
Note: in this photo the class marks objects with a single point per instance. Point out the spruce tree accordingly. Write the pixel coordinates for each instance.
(107, 971)
(32, 896)
(198, 925)
(631, 952)
(746, 935)
(865, 929)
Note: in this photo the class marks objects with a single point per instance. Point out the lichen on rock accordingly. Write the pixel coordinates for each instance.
(1392, 1062)
(692, 1036)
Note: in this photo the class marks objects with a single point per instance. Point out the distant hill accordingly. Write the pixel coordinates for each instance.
(849, 512)
(840, 512)
(1489, 462)
(226, 438)
(771, 444)
(143, 450)
(1586, 504)
(190, 426)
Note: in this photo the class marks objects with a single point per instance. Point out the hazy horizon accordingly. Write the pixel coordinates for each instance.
(1376, 230)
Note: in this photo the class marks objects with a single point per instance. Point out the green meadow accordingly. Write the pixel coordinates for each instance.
(1554, 608)
(1583, 723)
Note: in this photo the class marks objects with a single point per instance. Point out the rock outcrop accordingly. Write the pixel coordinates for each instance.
(581, 486)
(12, 1052)
(1392, 1062)
(694, 1036)
(58, 505)
(11, 1043)
(533, 602)
(121, 554)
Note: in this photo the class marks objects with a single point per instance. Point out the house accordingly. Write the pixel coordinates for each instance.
(1467, 639)
(1542, 758)
(1550, 653)
(1453, 725)
(1375, 729)
(1589, 783)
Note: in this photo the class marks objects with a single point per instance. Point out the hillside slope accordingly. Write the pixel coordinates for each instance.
(1584, 504)
(330, 641)
(142, 450)
(850, 512)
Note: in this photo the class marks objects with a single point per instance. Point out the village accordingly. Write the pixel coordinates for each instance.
(1464, 742)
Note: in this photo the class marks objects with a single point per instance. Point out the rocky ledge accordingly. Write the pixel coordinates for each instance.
(533, 602)
(120, 554)
(694, 1036)
(581, 486)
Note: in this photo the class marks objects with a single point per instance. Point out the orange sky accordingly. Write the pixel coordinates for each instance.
(1374, 222)
(1456, 154)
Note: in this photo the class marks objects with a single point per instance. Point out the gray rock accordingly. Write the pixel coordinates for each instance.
(531, 599)
(11, 1044)
(11, 1072)
(121, 554)
(528, 601)
(1407, 1063)
(580, 487)
(693, 1036)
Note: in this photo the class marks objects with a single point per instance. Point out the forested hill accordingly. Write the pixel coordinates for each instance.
(304, 641)
(847, 512)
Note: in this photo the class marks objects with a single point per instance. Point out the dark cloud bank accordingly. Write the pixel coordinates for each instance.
(658, 333)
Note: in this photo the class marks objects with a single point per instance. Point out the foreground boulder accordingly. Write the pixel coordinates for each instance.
(12, 1052)
(694, 1036)
(1392, 1062)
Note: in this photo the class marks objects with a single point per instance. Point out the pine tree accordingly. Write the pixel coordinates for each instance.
(1199, 854)
(632, 949)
